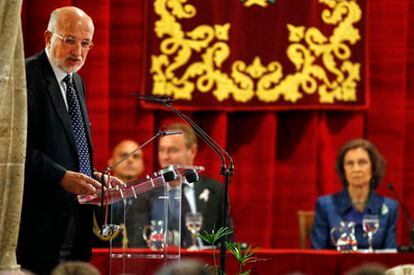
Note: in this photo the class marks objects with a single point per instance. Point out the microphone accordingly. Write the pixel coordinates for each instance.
(407, 218)
(154, 99)
(191, 175)
(227, 173)
(164, 100)
(168, 173)
(171, 132)
(107, 171)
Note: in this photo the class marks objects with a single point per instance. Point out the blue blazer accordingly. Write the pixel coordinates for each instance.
(330, 210)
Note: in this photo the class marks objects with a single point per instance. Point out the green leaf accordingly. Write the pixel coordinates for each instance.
(243, 256)
(213, 237)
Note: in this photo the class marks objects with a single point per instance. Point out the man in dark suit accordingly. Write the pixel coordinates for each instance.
(54, 227)
(135, 216)
(206, 195)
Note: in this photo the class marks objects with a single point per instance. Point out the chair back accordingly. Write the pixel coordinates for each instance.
(305, 220)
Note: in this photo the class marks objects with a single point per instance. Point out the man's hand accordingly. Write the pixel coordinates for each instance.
(113, 181)
(79, 184)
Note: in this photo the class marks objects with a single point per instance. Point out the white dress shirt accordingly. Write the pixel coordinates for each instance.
(60, 75)
(189, 193)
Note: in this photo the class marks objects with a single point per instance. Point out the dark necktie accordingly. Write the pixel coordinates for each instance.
(78, 126)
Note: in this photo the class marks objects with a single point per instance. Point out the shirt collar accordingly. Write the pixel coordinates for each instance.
(374, 203)
(188, 184)
(59, 73)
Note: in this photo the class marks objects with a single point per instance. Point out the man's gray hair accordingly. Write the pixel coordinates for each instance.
(55, 14)
(51, 26)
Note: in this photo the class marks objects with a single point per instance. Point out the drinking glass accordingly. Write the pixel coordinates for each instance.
(370, 224)
(193, 222)
(343, 237)
(154, 235)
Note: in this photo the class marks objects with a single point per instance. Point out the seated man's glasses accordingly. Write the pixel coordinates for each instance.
(72, 41)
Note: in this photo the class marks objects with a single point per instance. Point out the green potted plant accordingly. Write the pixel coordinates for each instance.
(243, 255)
(212, 238)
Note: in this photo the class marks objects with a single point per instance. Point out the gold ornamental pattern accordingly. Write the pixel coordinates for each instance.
(261, 3)
(192, 60)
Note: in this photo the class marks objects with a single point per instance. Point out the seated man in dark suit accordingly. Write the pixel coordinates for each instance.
(127, 170)
(205, 196)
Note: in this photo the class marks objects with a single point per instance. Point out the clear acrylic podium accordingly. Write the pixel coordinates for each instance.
(144, 218)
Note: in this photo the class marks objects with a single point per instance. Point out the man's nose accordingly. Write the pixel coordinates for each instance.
(77, 49)
(165, 156)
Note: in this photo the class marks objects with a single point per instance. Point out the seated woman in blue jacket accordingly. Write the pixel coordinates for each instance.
(360, 167)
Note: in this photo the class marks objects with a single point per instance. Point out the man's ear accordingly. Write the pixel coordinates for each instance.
(193, 151)
(48, 38)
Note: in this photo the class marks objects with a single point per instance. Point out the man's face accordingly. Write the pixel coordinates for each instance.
(69, 58)
(173, 150)
(130, 168)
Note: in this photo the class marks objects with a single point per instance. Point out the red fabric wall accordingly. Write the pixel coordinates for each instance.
(284, 160)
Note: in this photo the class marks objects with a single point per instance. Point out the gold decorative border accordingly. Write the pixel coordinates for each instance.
(262, 3)
(334, 81)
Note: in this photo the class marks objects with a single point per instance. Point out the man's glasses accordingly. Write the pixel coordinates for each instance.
(72, 41)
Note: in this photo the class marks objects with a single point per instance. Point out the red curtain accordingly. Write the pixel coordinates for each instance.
(284, 160)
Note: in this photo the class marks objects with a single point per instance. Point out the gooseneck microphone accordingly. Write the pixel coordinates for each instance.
(165, 101)
(158, 134)
(407, 217)
(227, 173)
(154, 99)
(108, 169)
(171, 132)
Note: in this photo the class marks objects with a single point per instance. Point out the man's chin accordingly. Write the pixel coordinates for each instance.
(72, 69)
(67, 68)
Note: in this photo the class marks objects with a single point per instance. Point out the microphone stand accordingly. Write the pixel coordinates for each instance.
(407, 216)
(109, 168)
(227, 173)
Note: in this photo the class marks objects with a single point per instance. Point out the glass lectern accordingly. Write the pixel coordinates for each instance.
(144, 218)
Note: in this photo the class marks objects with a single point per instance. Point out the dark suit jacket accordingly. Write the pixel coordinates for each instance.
(211, 205)
(331, 210)
(51, 150)
(209, 195)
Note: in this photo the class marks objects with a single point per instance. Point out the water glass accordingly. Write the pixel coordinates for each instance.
(370, 225)
(193, 222)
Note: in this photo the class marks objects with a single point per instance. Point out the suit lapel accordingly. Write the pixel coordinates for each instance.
(375, 203)
(57, 99)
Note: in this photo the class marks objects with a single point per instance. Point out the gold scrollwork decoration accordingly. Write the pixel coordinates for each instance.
(249, 3)
(192, 60)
